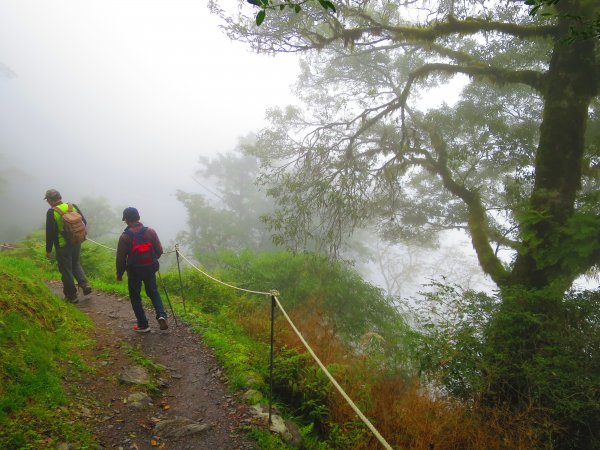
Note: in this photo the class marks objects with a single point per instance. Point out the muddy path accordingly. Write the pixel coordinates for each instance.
(191, 388)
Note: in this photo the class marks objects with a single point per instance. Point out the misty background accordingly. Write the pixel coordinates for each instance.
(119, 99)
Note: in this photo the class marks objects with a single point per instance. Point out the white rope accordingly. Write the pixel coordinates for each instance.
(310, 350)
(101, 245)
(335, 383)
(222, 282)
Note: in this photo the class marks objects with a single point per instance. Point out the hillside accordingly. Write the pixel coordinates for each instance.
(185, 381)
(63, 381)
(65, 376)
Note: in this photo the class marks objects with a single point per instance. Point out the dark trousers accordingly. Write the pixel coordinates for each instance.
(135, 278)
(70, 268)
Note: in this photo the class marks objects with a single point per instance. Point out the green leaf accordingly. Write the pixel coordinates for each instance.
(326, 4)
(260, 17)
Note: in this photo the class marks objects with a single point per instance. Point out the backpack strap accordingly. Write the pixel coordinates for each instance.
(70, 208)
(132, 234)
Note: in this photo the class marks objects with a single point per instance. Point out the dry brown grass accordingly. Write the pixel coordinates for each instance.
(254, 318)
(408, 414)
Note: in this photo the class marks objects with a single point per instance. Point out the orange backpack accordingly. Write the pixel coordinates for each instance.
(74, 230)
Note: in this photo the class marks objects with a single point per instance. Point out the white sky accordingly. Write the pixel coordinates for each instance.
(124, 95)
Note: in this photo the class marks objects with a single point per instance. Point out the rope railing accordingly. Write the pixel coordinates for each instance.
(274, 295)
(275, 302)
(222, 282)
(333, 381)
(101, 245)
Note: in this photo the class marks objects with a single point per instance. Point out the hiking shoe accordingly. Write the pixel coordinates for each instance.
(162, 323)
(72, 298)
(87, 290)
(139, 329)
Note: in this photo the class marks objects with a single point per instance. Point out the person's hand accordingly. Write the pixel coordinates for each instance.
(119, 278)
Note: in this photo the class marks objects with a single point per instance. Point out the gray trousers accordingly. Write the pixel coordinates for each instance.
(70, 268)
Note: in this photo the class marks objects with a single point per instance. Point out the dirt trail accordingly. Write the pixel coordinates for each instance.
(192, 385)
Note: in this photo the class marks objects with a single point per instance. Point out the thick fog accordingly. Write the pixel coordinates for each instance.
(118, 99)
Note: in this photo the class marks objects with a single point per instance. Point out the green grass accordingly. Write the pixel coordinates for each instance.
(41, 315)
(211, 310)
(40, 338)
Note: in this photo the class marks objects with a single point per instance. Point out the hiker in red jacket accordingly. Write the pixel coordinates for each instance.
(137, 253)
(67, 253)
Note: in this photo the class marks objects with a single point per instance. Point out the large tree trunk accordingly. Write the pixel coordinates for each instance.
(571, 82)
(527, 328)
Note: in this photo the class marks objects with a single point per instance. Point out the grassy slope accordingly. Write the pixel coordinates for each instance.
(235, 327)
(39, 333)
(41, 337)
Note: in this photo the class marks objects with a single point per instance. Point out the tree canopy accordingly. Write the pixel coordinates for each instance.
(512, 162)
(227, 215)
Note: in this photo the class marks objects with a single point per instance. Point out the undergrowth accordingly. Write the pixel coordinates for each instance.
(418, 385)
(40, 340)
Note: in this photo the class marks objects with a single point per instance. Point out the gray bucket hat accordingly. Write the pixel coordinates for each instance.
(52, 194)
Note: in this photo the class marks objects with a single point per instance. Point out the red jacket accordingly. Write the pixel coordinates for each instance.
(124, 246)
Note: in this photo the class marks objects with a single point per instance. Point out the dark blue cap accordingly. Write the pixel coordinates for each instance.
(131, 214)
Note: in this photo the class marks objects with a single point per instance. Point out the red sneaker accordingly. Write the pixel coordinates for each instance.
(137, 328)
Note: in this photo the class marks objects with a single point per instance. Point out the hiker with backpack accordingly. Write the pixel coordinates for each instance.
(138, 251)
(65, 231)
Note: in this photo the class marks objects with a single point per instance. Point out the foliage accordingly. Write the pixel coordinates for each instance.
(464, 340)
(302, 386)
(353, 306)
(580, 28)
(237, 328)
(188, 283)
(102, 217)
(228, 217)
(295, 6)
(267, 440)
(556, 356)
(450, 326)
(38, 334)
(33, 248)
(408, 413)
(510, 162)
(367, 152)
